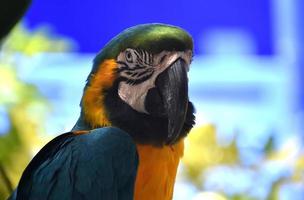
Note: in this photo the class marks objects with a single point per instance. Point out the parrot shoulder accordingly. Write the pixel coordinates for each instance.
(100, 164)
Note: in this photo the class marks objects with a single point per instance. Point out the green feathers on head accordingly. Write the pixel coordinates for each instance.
(153, 38)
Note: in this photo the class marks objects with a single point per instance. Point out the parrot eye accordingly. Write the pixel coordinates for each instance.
(129, 56)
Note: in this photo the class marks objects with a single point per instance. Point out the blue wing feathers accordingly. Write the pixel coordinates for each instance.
(99, 165)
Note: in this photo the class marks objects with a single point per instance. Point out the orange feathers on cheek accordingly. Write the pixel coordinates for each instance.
(93, 98)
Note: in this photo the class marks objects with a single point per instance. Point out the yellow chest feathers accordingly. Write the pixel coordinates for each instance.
(156, 171)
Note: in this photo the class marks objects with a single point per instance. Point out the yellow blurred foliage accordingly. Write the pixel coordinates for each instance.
(24, 106)
(202, 151)
(208, 196)
(16, 147)
(30, 42)
(291, 155)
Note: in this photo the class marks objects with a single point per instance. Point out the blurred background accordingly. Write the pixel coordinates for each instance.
(246, 82)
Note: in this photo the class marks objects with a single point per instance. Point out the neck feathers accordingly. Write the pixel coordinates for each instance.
(157, 171)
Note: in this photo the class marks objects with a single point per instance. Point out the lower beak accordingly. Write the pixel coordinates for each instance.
(173, 88)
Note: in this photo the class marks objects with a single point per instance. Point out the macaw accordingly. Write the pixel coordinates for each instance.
(135, 114)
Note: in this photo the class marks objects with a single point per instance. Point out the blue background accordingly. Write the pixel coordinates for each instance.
(92, 23)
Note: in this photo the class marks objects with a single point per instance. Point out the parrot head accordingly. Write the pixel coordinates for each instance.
(139, 83)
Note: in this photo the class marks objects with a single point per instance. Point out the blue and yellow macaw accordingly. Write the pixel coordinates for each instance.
(135, 113)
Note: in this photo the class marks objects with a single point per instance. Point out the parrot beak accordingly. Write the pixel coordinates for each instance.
(172, 85)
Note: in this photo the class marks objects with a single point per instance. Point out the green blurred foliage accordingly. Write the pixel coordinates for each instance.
(22, 103)
(203, 152)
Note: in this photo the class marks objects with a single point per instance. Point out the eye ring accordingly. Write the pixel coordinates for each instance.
(129, 56)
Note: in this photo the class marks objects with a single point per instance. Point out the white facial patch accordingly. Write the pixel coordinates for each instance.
(140, 70)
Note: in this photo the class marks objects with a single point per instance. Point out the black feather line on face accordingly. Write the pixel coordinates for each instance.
(138, 81)
(141, 70)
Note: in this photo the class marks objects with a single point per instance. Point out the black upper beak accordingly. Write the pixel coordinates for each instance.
(173, 88)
